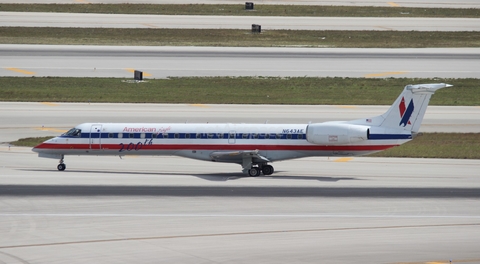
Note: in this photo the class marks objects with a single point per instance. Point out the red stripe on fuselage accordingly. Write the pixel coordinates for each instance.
(46, 146)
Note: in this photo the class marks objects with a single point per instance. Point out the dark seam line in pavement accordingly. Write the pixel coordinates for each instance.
(234, 234)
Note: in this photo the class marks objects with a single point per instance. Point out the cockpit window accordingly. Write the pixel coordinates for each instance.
(74, 132)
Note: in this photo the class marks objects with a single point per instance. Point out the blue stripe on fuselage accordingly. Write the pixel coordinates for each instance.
(191, 135)
(224, 136)
(389, 136)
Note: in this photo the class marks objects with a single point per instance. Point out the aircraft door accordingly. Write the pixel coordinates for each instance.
(95, 137)
(231, 137)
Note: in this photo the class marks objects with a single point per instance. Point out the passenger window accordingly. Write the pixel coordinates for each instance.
(176, 135)
(289, 136)
(187, 135)
(131, 135)
(300, 136)
(245, 135)
(110, 135)
(199, 135)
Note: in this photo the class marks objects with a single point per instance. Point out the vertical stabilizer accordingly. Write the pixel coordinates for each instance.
(408, 110)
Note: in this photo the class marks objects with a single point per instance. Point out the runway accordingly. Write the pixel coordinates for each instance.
(162, 62)
(88, 20)
(167, 209)
(401, 3)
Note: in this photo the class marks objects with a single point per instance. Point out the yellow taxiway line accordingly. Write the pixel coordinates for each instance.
(133, 70)
(51, 129)
(343, 159)
(49, 104)
(382, 74)
(393, 4)
(20, 71)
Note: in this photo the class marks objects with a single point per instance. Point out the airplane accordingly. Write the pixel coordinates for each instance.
(253, 146)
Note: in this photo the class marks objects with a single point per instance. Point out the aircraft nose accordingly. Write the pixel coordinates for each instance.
(38, 148)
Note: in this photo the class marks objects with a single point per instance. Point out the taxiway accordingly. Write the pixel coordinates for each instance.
(162, 62)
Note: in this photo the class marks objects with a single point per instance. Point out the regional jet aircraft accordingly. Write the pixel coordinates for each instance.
(253, 146)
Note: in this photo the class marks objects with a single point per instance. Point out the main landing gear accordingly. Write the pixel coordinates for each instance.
(265, 169)
(61, 166)
(255, 164)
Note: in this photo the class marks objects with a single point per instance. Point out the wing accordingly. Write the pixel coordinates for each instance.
(238, 156)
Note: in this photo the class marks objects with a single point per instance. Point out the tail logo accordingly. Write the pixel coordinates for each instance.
(405, 112)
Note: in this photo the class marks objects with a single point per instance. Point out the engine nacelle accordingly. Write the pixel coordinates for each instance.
(336, 133)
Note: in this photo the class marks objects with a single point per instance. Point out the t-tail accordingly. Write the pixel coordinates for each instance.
(407, 112)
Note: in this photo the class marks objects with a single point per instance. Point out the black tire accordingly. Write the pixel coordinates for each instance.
(267, 170)
(61, 167)
(254, 172)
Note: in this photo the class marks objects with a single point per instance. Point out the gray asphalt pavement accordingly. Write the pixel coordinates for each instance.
(169, 209)
(88, 20)
(175, 210)
(403, 3)
(162, 62)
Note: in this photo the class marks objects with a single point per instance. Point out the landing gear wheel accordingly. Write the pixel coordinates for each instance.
(267, 170)
(61, 167)
(254, 172)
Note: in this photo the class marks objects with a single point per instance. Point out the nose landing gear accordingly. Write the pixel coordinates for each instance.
(61, 166)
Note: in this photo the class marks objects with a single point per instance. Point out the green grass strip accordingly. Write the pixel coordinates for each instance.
(237, 38)
(426, 145)
(230, 90)
(29, 142)
(239, 10)
(438, 145)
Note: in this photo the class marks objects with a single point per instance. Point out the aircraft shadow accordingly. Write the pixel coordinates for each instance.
(237, 176)
(218, 177)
